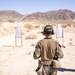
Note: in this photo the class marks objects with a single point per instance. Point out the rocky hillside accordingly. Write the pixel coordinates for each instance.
(64, 14)
(10, 15)
(52, 15)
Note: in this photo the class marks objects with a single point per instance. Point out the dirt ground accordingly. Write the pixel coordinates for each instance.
(19, 60)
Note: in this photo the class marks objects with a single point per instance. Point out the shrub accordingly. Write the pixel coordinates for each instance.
(33, 44)
(37, 26)
(64, 26)
(11, 21)
(31, 36)
(69, 25)
(29, 26)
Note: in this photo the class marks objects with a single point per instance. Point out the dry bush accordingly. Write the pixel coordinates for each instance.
(0, 23)
(29, 26)
(70, 39)
(74, 26)
(37, 26)
(24, 31)
(11, 21)
(69, 25)
(28, 30)
(31, 36)
(64, 26)
(33, 44)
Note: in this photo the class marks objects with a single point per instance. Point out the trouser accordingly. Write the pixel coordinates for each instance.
(46, 70)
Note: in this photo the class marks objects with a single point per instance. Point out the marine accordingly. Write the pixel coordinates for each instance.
(47, 50)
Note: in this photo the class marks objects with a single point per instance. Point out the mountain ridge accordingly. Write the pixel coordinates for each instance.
(62, 14)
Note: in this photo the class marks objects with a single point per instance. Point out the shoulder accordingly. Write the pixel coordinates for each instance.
(38, 44)
(57, 43)
(40, 41)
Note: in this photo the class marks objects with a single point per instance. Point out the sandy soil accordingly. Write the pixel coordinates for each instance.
(19, 60)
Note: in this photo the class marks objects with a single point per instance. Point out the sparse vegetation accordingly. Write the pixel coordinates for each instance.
(31, 36)
(11, 20)
(0, 23)
(64, 26)
(37, 26)
(69, 25)
(29, 26)
(33, 44)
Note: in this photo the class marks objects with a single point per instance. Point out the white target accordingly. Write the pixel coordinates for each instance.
(59, 31)
(18, 32)
(18, 36)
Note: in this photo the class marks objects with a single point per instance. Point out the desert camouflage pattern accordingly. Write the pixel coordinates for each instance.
(55, 48)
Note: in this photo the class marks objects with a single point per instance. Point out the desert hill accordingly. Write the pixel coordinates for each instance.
(10, 15)
(62, 14)
(51, 15)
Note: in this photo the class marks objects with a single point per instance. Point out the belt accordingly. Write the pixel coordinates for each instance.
(47, 62)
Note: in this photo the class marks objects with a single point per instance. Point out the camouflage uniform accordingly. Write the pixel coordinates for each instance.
(46, 50)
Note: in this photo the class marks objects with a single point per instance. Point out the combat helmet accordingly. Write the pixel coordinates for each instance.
(48, 29)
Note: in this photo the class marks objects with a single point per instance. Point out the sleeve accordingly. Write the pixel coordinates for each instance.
(59, 52)
(37, 52)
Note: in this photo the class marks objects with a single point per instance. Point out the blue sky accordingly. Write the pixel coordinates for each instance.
(31, 6)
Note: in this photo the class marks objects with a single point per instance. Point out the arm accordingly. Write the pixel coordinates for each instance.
(58, 53)
(37, 52)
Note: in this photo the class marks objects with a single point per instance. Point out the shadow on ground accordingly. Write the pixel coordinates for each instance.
(65, 69)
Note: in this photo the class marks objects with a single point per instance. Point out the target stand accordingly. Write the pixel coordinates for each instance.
(59, 35)
(18, 37)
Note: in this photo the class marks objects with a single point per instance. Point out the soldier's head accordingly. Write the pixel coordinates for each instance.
(48, 30)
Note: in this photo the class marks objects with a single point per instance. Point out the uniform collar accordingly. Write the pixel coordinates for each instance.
(48, 37)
